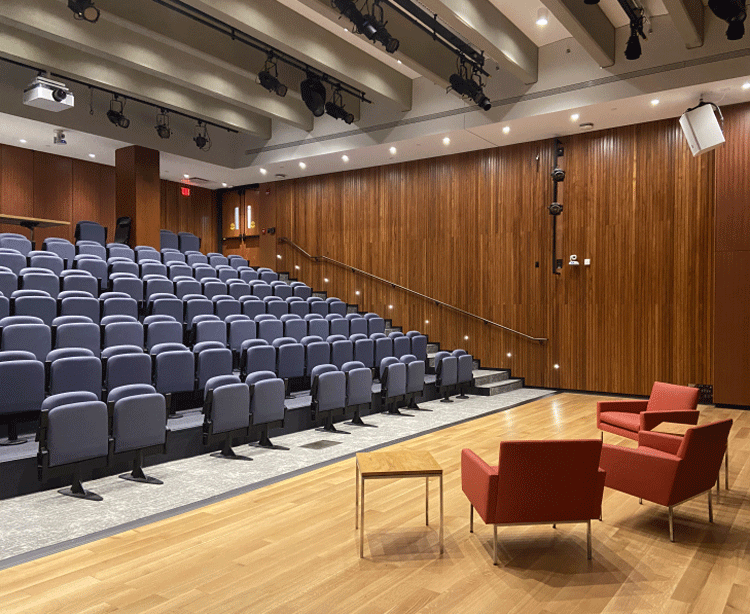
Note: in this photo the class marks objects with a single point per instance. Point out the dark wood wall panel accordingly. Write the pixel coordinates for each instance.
(196, 213)
(469, 229)
(16, 183)
(53, 193)
(732, 285)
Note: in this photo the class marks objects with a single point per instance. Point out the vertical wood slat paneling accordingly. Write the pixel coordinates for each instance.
(732, 276)
(196, 213)
(469, 229)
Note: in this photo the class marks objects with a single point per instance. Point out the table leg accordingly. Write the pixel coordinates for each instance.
(427, 501)
(441, 514)
(362, 519)
(356, 495)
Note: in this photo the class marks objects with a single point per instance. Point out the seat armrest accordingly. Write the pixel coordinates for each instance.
(652, 419)
(660, 441)
(639, 474)
(479, 483)
(631, 406)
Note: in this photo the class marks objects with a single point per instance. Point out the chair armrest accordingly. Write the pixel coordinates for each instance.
(660, 441)
(631, 406)
(637, 473)
(651, 419)
(479, 483)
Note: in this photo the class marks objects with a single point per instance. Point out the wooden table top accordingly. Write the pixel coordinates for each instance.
(672, 428)
(38, 222)
(398, 462)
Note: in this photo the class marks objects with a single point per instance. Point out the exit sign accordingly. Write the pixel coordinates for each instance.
(186, 191)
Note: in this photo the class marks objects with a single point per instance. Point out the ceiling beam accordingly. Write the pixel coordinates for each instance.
(110, 39)
(588, 24)
(688, 18)
(301, 38)
(480, 23)
(30, 49)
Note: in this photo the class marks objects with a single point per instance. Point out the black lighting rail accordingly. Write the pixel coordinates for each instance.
(126, 97)
(429, 23)
(209, 21)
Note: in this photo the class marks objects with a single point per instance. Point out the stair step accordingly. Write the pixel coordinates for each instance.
(484, 377)
(497, 387)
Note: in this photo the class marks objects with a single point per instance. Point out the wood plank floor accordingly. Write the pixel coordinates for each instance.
(292, 546)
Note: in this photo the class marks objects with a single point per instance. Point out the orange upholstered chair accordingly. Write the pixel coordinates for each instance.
(667, 403)
(668, 469)
(536, 482)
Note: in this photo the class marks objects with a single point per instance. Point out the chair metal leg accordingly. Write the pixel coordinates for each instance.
(494, 541)
(726, 468)
(554, 525)
(588, 539)
(137, 474)
(330, 427)
(602, 435)
(228, 453)
(671, 525)
(710, 508)
(78, 491)
(471, 518)
(640, 501)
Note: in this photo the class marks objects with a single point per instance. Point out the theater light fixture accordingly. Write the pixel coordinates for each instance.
(269, 77)
(116, 113)
(542, 17)
(84, 10)
(372, 24)
(468, 82)
(162, 125)
(314, 94)
(201, 138)
(734, 12)
(335, 108)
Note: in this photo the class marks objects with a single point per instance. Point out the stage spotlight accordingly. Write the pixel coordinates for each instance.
(162, 125)
(84, 10)
(116, 113)
(466, 85)
(269, 78)
(336, 108)
(371, 25)
(633, 48)
(734, 12)
(314, 94)
(201, 138)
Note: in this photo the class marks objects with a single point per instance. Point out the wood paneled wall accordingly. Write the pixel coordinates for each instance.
(732, 323)
(469, 230)
(39, 184)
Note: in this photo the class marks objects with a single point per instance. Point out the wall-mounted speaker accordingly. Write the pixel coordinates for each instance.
(701, 129)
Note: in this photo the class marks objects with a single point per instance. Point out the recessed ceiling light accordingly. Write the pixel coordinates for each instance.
(186, 176)
(575, 117)
(542, 17)
(399, 61)
(346, 29)
(302, 165)
(746, 86)
(393, 151)
(586, 126)
(92, 156)
(345, 158)
(263, 171)
(654, 102)
(446, 141)
(506, 130)
(22, 141)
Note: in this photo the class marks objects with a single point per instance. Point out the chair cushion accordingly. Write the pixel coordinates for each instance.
(624, 420)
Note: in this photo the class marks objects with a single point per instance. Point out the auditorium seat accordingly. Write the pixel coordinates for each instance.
(317, 325)
(226, 414)
(178, 270)
(464, 372)
(119, 250)
(33, 278)
(401, 344)
(46, 260)
(173, 371)
(118, 303)
(124, 365)
(161, 330)
(212, 358)
(8, 281)
(195, 305)
(165, 304)
(66, 449)
(260, 289)
(209, 328)
(383, 348)
(26, 333)
(22, 377)
(418, 344)
(155, 284)
(215, 259)
(446, 372)
(375, 324)
(358, 390)
(236, 261)
(276, 306)
(236, 288)
(267, 275)
(393, 375)
(317, 352)
(79, 335)
(338, 324)
(415, 372)
(91, 231)
(281, 289)
(96, 266)
(17, 242)
(225, 306)
(248, 274)
(336, 305)
(203, 272)
(195, 257)
(290, 359)
(328, 394)
(224, 272)
(301, 290)
(257, 356)
(267, 408)
(153, 267)
(239, 328)
(294, 326)
(69, 372)
(123, 333)
(12, 259)
(122, 265)
(170, 256)
(298, 306)
(213, 287)
(357, 324)
(252, 306)
(76, 303)
(91, 248)
(146, 253)
(342, 350)
(318, 306)
(168, 240)
(62, 247)
(364, 349)
(184, 284)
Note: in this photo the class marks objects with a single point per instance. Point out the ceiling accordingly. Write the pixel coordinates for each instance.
(537, 78)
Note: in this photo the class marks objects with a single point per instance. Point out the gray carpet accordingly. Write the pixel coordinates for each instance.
(42, 523)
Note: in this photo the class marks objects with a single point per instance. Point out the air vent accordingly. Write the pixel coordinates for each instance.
(280, 176)
(197, 180)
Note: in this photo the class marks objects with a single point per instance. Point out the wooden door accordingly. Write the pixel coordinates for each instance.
(239, 227)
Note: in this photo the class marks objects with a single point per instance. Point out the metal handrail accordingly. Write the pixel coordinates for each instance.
(540, 340)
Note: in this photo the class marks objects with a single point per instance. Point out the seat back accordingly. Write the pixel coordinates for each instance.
(669, 396)
(415, 371)
(188, 242)
(62, 247)
(80, 335)
(230, 407)
(127, 369)
(34, 338)
(548, 481)
(123, 333)
(267, 400)
(290, 360)
(328, 388)
(260, 358)
(91, 231)
(701, 453)
(358, 383)
(67, 441)
(23, 383)
(316, 353)
(393, 378)
(211, 362)
(168, 240)
(119, 250)
(76, 373)
(45, 260)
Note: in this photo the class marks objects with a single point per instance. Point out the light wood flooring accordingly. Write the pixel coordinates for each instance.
(292, 547)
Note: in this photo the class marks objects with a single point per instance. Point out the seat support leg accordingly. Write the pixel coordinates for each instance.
(710, 508)
(494, 541)
(228, 453)
(78, 491)
(671, 525)
(137, 474)
(13, 439)
(471, 518)
(588, 539)
(330, 427)
(171, 413)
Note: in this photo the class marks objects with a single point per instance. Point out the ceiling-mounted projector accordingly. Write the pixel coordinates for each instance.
(49, 95)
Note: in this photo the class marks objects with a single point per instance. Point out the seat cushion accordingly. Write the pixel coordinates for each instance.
(623, 420)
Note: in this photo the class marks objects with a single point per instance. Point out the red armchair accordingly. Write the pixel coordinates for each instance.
(667, 403)
(667, 469)
(536, 482)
